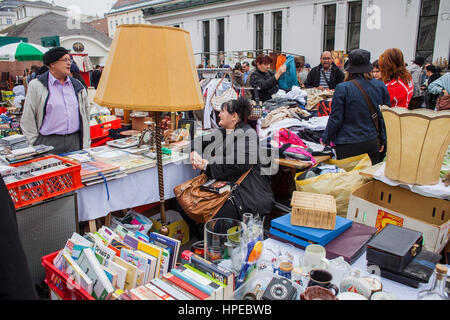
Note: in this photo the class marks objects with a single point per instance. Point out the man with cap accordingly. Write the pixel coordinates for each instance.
(350, 125)
(56, 110)
(418, 77)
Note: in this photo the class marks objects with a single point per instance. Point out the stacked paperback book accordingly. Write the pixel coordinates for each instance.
(18, 149)
(33, 169)
(126, 264)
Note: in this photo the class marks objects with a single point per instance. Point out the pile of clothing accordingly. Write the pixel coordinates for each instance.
(314, 96)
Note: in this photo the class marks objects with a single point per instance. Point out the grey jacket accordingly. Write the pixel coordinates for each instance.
(36, 103)
(417, 76)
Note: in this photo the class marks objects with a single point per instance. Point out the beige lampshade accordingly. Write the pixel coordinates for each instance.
(150, 68)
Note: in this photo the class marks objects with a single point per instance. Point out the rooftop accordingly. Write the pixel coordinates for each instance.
(52, 24)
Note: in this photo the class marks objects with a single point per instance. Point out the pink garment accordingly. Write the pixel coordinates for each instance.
(285, 137)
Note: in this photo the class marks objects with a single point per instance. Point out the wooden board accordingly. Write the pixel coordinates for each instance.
(298, 164)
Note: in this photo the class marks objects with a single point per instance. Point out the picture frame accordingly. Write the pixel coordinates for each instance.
(187, 124)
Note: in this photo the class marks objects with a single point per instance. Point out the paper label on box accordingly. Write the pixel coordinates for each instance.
(384, 218)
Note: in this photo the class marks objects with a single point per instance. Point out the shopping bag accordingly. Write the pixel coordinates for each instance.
(339, 185)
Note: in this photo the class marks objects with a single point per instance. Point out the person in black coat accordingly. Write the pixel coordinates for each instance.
(15, 277)
(264, 80)
(433, 73)
(232, 151)
(350, 125)
(95, 77)
(326, 75)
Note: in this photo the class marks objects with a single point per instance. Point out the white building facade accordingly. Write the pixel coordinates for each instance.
(128, 13)
(306, 27)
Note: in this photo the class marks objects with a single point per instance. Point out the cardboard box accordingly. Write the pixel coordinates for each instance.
(377, 204)
(178, 228)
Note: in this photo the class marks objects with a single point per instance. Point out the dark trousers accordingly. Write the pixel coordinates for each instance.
(61, 143)
(416, 103)
(371, 147)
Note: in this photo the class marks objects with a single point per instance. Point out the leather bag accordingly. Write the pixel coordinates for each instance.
(201, 206)
(443, 103)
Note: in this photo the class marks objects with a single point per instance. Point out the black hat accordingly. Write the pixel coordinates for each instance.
(54, 54)
(358, 61)
(419, 60)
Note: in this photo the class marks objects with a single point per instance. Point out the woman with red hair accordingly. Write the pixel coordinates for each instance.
(397, 78)
(263, 79)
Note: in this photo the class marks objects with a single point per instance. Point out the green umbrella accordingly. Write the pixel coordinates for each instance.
(22, 51)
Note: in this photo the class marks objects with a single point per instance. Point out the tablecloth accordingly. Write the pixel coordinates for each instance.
(133, 190)
(402, 292)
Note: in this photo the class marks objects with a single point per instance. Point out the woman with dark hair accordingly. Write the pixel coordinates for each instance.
(433, 73)
(376, 72)
(350, 126)
(264, 80)
(238, 75)
(397, 78)
(231, 152)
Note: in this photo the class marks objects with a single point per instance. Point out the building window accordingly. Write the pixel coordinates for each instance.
(206, 44)
(277, 30)
(128, 20)
(427, 29)
(329, 27)
(221, 35)
(9, 21)
(134, 20)
(176, 25)
(354, 25)
(139, 19)
(259, 32)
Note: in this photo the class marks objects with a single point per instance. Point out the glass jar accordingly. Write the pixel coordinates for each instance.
(437, 289)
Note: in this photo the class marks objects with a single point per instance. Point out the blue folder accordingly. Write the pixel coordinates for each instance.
(304, 236)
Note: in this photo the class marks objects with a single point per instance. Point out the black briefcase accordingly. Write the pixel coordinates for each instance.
(394, 247)
(419, 270)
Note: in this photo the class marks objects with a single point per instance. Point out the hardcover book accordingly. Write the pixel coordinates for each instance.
(102, 287)
(216, 186)
(173, 245)
(217, 272)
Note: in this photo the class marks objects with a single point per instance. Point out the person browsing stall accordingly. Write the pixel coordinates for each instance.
(263, 79)
(350, 126)
(376, 72)
(56, 110)
(235, 152)
(326, 75)
(397, 78)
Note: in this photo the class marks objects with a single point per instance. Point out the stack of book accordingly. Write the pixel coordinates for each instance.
(97, 119)
(195, 279)
(27, 153)
(119, 259)
(13, 142)
(94, 171)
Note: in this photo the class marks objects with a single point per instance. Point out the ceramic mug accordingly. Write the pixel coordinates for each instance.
(317, 293)
(322, 278)
(314, 258)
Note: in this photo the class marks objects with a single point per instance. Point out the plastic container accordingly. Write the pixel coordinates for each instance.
(101, 130)
(262, 278)
(36, 189)
(223, 241)
(60, 283)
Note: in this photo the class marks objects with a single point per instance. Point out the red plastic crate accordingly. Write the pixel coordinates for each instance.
(101, 130)
(60, 283)
(45, 186)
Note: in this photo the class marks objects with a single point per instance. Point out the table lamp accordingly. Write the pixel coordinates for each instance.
(151, 68)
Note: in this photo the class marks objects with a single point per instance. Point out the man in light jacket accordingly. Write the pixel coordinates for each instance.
(56, 110)
(417, 72)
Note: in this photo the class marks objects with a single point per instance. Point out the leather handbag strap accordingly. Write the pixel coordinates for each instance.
(372, 110)
(243, 176)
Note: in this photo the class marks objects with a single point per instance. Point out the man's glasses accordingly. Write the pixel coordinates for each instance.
(65, 60)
